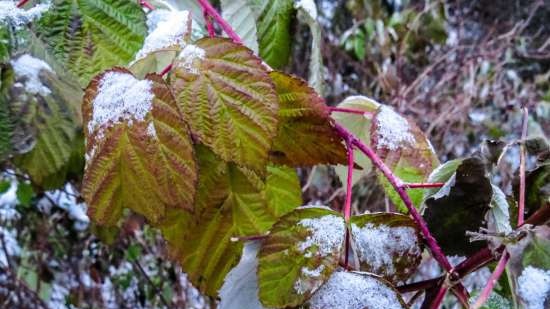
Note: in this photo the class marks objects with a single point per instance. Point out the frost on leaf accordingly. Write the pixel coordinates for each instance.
(355, 290)
(305, 135)
(231, 106)
(534, 288)
(28, 69)
(393, 131)
(301, 251)
(166, 29)
(140, 154)
(17, 17)
(387, 245)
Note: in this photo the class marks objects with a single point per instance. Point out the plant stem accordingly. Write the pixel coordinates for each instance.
(210, 10)
(209, 25)
(492, 280)
(419, 185)
(146, 4)
(439, 297)
(22, 3)
(522, 166)
(349, 182)
(167, 69)
(348, 110)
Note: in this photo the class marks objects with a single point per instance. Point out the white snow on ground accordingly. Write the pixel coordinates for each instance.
(28, 68)
(17, 17)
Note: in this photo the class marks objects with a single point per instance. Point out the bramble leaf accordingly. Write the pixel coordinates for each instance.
(356, 290)
(228, 100)
(457, 206)
(239, 14)
(88, 36)
(387, 244)
(139, 152)
(498, 217)
(301, 251)
(305, 136)
(273, 24)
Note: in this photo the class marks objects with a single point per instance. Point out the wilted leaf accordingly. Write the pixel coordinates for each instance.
(356, 290)
(139, 152)
(537, 188)
(405, 150)
(387, 244)
(457, 206)
(88, 36)
(273, 24)
(491, 151)
(228, 99)
(153, 62)
(498, 217)
(301, 251)
(238, 13)
(305, 136)
(442, 173)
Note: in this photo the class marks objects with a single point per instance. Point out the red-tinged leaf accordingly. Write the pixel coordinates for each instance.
(228, 99)
(139, 152)
(306, 135)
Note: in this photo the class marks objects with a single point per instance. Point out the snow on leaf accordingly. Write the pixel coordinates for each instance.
(387, 244)
(166, 29)
(231, 106)
(301, 251)
(534, 287)
(28, 68)
(17, 17)
(305, 135)
(355, 290)
(392, 129)
(129, 167)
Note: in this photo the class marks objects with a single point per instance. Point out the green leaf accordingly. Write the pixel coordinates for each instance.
(360, 126)
(387, 244)
(154, 62)
(301, 251)
(273, 24)
(305, 136)
(498, 217)
(89, 36)
(537, 252)
(24, 193)
(5, 44)
(133, 252)
(442, 173)
(231, 201)
(356, 290)
(228, 100)
(5, 185)
(405, 150)
(6, 120)
(457, 206)
(139, 152)
(307, 13)
(238, 13)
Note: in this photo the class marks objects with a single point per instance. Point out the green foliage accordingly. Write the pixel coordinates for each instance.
(240, 15)
(24, 193)
(87, 36)
(5, 46)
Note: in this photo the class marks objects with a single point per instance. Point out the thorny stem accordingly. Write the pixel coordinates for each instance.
(492, 280)
(414, 185)
(210, 10)
(522, 166)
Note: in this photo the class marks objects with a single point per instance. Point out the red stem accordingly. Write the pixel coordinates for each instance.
(492, 280)
(348, 110)
(146, 4)
(439, 297)
(522, 167)
(166, 70)
(349, 184)
(415, 185)
(210, 10)
(22, 3)
(209, 25)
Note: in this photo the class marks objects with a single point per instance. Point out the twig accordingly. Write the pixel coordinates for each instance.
(157, 291)
(22, 3)
(521, 210)
(208, 22)
(167, 69)
(492, 280)
(210, 10)
(146, 4)
(414, 185)
(439, 297)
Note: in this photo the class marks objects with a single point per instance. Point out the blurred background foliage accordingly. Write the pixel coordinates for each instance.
(460, 69)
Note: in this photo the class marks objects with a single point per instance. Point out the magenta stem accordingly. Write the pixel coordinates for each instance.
(414, 185)
(22, 3)
(210, 10)
(398, 186)
(501, 266)
(167, 69)
(348, 110)
(349, 183)
(209, 25)
(439, 297)
(521, 211)
(146, 4)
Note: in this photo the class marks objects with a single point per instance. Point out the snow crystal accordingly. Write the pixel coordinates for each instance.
(534, 287)
(308, 6)
(378, 245)
(353, 291)
(393, 130)
(326, 233)
(17, 17)
(166, 28)
(151, 131)
(28, 68)
(120, 97)
(189, 56)
(240, 287)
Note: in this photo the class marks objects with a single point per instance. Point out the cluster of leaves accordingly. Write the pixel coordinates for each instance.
(207, 154)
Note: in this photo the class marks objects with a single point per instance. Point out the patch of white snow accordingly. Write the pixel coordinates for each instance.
(326, 233)
(189, 56)
(28, 68)
(393, 130)
(17, 17)
(534, 287)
